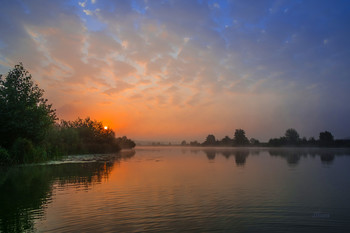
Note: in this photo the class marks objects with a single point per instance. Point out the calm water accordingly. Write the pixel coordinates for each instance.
(181, 189)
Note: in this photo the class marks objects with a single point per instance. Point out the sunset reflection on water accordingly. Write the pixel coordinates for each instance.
(190, 189)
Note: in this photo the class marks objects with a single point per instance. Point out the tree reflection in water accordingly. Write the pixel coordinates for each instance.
(239, 155)
(210, 154)
(25, 190)
(291, 155)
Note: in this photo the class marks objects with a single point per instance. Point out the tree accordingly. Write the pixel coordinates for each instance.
(23, 110)
(125, 143)
(292, 136)
(226, 141)
(311, 141)
(89, 136)
(183, 143)
(326, 138)
(90, 130)
(239, 138)
(254, 142)
(210, 140)
(277, 141)
(194, 143)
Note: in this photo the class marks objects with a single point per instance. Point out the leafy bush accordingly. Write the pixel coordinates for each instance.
(87, 136)
(23, 151)
(4, 156)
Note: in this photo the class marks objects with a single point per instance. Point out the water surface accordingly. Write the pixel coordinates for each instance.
(181, 189)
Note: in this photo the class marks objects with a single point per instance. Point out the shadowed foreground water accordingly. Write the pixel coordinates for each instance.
(181, 189)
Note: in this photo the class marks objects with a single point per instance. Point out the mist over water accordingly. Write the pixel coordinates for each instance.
(181, 189)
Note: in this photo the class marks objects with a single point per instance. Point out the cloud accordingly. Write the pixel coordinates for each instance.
(230, 58)
(82, 4)
(119, 87)
(88, 12)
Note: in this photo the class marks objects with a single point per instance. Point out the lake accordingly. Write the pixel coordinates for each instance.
(181, 189)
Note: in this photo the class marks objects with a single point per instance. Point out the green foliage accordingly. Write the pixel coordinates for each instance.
(62, 141)
(23, 151)
(88, 136)
(4, 157)
(23, 110)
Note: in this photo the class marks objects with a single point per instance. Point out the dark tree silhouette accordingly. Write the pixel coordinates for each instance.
(292, 136)
(194, 143)
(239, 138)
(277, 141)
(210, 140)
(326, 139)
(125, 143)
(312, 141)
(226, 141)
(89, 136)
(254, 142)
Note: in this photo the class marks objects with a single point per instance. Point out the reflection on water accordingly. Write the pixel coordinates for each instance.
(292, 155)
(26, 189)
(239, 155)
(181, 189)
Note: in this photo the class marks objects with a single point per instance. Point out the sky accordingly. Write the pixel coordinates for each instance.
(182, 69)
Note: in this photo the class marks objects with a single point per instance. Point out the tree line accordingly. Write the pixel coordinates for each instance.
(290, 138)
(29, 128)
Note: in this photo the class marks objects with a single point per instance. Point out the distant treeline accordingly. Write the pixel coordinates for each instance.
(29, 131)
(290, 138)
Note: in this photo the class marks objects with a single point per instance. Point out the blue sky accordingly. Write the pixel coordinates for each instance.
(177, 70)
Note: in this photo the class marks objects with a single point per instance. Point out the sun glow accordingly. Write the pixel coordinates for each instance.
(106, 127)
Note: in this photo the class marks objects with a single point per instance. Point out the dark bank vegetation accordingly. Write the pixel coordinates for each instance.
(29, 131)
(291, 138)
